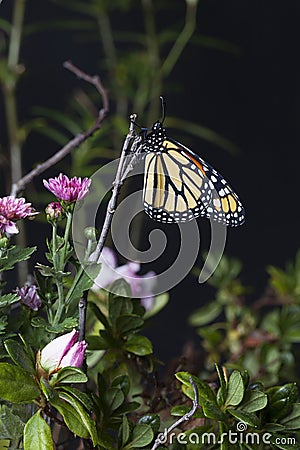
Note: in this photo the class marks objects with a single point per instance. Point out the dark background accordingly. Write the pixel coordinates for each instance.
(249, 96)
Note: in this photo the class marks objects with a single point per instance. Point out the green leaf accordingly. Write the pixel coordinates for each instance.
(119, 306)
(48, 391)
(235, 389)
(84, 283)
(243, 416)
(120, 288)
(71, 417)
(99, 314)
(204, 391)
(151, 419)
(97, 343)
(8, 299)
(254, 401)
(281, 400)
(113, 398)
(5, 25)
(207, 398)
(222, 391)
(67, 324)
(37, 434)
(181, 410)
(19, 355)
(128, 322)
(159, 302)
(205, 315)
(125, 430)
(69, 375)
(38, 322)
(127, 407)
(138, 345)
(212, 410)
(292, 421)
(75, 416)
(11, 425)
(14, 255)
(3, 324)
(17, 385)
(79, 395)
(123, 382)
(48, 271)
(142, 435)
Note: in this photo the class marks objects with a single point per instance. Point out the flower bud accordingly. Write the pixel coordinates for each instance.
(63, 351)
(4, 242)
(54, 212)
(90, 233)
(29, 296)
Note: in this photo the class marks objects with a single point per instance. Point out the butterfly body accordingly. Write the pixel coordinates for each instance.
(180, 186)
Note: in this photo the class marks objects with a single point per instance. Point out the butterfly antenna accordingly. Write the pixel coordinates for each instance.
(163, 109)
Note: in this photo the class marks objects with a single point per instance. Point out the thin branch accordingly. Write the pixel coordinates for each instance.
(77, 140)
(94, 80)
(122, 172)
(82, 307)
(161, 440)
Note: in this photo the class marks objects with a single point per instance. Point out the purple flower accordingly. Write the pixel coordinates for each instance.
(68, 189)
(63, 351)
(29, 296)
(141, 285)
(11, 210)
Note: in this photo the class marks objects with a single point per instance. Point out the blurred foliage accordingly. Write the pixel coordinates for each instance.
(260, 337)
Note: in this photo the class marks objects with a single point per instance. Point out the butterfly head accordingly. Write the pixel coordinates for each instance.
(156, 136)
(157, 127)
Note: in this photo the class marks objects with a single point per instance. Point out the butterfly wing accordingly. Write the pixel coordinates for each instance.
(180, 186)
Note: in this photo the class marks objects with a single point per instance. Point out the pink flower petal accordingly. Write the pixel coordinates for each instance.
(75, 355)
(68, 189)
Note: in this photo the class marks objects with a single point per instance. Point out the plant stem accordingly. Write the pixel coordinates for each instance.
(66, 237)
(58, 281)
(59, 263)
(10, 100)
(115, 191)
(182, 39)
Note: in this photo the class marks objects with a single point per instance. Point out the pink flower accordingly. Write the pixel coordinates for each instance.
(141, 285)
(29, 296)
(11, 210)
(68, 189)
(63, 351)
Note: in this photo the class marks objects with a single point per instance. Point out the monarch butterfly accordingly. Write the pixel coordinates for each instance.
(180, 186)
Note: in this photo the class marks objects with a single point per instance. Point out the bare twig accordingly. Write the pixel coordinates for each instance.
(123, 169)
(161, 439)
(94, 80)
(77, 140)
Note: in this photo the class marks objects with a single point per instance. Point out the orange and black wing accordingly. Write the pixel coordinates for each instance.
(180, 186)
